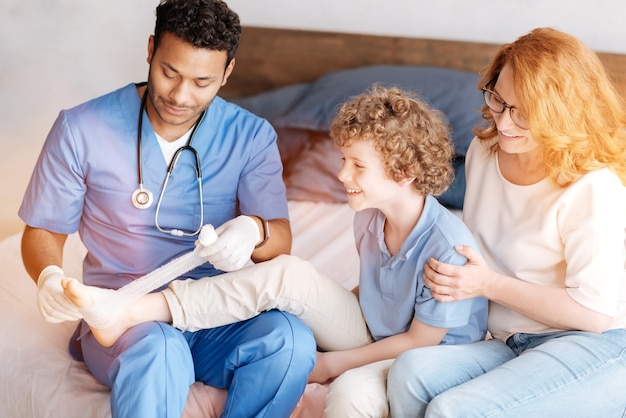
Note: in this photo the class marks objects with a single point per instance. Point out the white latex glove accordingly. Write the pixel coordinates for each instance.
(234, 245)
(52, 303)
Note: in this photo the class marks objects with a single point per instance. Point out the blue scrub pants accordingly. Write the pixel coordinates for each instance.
(560, 374)
(264, 362)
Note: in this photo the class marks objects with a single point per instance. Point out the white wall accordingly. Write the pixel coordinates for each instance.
(57, 53)
(599, 23)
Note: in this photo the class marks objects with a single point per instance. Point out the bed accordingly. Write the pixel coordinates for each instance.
(295, 79)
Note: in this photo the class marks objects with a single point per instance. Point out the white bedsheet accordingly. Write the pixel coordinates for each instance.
(38, 378)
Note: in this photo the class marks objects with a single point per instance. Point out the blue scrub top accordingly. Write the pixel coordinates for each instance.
(392, 290)
(87, 172)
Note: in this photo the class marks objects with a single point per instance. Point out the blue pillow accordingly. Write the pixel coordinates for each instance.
(274, 103)
(299, 112)
(454, 92)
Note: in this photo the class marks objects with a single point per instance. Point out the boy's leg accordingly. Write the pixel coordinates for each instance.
(360, 392)
(286, 283)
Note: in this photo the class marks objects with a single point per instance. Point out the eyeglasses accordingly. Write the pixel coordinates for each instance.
(497, 105)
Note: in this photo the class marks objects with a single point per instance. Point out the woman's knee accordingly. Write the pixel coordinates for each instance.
(445, 405)
(408, 369)
(415, 378)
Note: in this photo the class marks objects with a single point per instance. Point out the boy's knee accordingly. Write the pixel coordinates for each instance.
(359, 392)
(349, 402)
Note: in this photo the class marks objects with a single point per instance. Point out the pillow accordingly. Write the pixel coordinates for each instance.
(313, 176)
(302, 113)
(274, 103)
(453, 197)
(453, 92)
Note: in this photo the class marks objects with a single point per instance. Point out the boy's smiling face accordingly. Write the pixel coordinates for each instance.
(366, 181)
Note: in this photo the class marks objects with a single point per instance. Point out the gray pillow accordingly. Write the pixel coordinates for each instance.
(274, 103)
(454, 92)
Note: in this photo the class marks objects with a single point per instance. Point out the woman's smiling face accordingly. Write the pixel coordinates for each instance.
(511, 138)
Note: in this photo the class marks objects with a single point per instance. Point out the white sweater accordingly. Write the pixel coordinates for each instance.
(572, 237)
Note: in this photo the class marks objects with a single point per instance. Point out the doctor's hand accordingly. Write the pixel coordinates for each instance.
(52, 303)
(234, 245)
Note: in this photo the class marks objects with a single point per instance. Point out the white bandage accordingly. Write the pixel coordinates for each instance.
(108, 302)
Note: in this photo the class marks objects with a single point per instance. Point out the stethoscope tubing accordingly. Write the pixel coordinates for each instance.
(142, 198)
(170, 170)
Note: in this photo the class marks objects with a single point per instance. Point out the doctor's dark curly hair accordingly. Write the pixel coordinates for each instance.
(412, 138)
(203, 23)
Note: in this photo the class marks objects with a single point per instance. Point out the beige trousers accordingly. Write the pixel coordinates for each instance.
(292, 285)
(286, 283)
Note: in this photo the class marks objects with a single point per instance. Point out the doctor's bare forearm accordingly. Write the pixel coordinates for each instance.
(41, 248)
(279, 241)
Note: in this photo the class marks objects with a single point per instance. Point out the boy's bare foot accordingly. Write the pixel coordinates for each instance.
(102, 309)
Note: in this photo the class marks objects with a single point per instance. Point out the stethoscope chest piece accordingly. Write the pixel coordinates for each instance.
(142, 198)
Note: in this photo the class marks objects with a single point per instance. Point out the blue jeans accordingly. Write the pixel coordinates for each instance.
(563, 374)
(264, 362)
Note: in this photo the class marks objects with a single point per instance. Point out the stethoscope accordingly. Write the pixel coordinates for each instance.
(143, 198)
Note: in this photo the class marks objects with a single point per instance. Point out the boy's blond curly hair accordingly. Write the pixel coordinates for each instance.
(412, 138)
